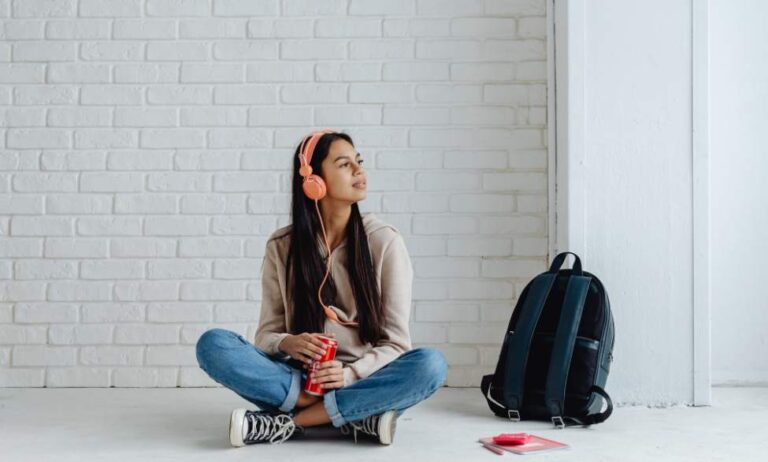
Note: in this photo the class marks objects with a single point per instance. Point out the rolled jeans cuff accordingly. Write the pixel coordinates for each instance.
(329, 401)
(293, 392)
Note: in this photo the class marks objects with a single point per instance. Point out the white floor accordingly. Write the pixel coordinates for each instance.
(191, 424)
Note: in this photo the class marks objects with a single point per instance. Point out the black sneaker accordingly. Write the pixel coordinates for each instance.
(250, 427)
(381, 426)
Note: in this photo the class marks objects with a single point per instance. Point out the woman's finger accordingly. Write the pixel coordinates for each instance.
(312, 351)
(333, 364)
(328, 378)
(320, 348)
(317, 342)
(335, 384)
(307, 357)
(317, 349)
(333, 373)
(317, 378)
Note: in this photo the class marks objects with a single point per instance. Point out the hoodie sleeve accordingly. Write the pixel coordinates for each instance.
(396, 289)
(271, 330)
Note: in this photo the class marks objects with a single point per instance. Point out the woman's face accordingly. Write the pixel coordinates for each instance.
(343, 173)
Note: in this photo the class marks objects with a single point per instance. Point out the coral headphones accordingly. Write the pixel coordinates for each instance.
(314, 188)
(313, 185)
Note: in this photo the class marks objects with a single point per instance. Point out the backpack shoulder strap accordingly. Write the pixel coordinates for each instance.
(565, 339)
(520, 342)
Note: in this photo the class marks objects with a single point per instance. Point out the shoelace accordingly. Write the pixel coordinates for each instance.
(262, 426)
(368, 425)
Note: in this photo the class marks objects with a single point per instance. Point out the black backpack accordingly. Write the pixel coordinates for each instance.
(557, 351)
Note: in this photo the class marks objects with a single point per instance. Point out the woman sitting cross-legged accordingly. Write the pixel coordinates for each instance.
(337, 274)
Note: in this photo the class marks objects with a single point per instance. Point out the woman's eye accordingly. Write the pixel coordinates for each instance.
(347, 164)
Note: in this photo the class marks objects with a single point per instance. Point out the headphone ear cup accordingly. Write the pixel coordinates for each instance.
(314, 187)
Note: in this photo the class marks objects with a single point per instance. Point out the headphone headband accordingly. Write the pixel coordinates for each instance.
(306, 153)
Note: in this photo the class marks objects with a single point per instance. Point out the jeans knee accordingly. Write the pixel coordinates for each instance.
(209, 342)
(433, 365)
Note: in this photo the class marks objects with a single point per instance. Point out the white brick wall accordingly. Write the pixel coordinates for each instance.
(145, 154)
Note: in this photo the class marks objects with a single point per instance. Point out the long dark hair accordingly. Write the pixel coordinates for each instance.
(304, 255)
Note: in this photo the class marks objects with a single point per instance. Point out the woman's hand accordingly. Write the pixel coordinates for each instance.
(329, 374)
(304, 347)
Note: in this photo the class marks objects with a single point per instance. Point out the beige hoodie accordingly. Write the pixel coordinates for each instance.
(394, 275)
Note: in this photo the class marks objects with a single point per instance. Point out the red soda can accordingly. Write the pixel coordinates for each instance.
(315, 389)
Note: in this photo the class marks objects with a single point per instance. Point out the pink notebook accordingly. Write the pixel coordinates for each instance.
(535, 445)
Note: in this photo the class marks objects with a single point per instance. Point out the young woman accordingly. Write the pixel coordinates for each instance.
(360, 296)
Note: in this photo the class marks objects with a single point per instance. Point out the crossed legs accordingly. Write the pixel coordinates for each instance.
(312, 411)
(273, 385)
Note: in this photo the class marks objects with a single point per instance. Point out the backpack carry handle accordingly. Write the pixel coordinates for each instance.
(560, 259)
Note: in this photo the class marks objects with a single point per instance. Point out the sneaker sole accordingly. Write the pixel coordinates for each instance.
(236, 427)
(387, 426)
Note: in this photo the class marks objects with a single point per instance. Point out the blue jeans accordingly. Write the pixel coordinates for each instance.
(274, 385)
